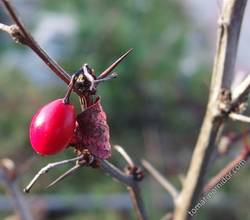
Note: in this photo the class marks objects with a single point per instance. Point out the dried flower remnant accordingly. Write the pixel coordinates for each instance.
(92, 131)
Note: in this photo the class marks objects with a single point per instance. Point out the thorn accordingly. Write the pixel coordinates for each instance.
(107, 78)
(106, 72)
(67, 173)
(46, 169)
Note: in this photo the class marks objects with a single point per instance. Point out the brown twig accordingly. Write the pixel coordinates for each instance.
(243, 155)
(227, 169)
(224, 64)
(165, 183)
(21, 35)
(20, 32)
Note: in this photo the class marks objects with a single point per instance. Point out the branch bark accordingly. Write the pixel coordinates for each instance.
(132, 186)
(224, 64)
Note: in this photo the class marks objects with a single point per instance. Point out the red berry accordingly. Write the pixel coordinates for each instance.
(52, 127)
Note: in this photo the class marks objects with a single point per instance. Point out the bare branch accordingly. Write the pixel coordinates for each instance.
(124, 154)
(5, 28)
(132, 185)
(136, 198)
(224, 64)
(161, 179)
(242, 89)
(227, 169)
(239, 117)
(116, 173)
(26, 38)
(240, 93)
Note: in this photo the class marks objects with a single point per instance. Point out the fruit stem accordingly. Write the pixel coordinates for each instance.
(70, 88)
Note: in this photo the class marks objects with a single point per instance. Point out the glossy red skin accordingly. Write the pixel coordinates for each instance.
(52, 127)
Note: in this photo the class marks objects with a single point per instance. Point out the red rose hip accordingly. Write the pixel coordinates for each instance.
(52, 127)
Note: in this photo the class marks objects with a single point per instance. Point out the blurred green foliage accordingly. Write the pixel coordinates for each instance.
(154, 110)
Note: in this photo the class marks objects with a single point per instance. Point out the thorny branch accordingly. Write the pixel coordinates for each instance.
(222, 103)
(20, 34)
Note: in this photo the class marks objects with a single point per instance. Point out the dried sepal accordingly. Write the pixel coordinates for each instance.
(92, 131)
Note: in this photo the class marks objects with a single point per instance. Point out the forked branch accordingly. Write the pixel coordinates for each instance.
(224, 67)
(130, 178)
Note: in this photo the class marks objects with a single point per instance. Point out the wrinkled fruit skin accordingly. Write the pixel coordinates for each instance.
(92, 131)
(52, 127)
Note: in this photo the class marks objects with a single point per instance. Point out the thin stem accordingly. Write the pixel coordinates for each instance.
(5, 28)
(136, 198)
(67, 173)
(29, 41)
(226, 170)
(239, 117)
(46, 169)
(161, 179)
(124, 154)
(240, 93)
(69, 90)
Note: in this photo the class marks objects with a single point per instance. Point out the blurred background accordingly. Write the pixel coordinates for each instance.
(155, 107)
